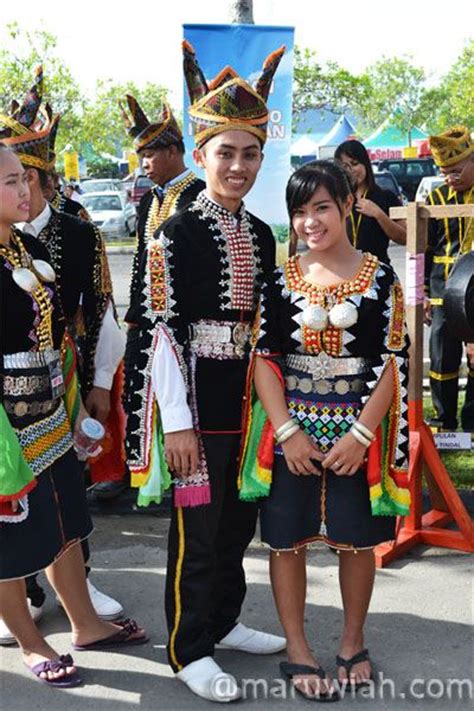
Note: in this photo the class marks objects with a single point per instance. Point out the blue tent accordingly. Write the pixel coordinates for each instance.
(340, 132)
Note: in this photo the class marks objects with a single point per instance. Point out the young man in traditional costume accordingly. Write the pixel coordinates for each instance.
(203, 276)
(83, 282)
(448, 239)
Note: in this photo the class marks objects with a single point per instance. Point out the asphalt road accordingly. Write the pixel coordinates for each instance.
(418, 632)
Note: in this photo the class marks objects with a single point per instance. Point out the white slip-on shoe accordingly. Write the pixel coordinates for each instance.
(6, 637)
(206, 679)
(245, 639)
(105, 606)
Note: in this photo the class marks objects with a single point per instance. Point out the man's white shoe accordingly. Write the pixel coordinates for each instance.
(105, 606)
(245, 639)
(6, 636)
(206, 679)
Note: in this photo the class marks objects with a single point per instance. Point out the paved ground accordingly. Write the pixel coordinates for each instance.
(418, 629)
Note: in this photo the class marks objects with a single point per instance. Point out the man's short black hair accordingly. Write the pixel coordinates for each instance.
(43, 178)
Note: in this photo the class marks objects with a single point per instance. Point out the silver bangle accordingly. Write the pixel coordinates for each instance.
(284, 427)
(360, 437)
(289, 433)
(364, 430)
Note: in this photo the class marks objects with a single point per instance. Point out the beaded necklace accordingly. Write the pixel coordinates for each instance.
(159, 213)
(239, 252)
(20, 259)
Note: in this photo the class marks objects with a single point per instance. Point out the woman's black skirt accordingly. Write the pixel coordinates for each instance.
(328, 508)
(57, 518)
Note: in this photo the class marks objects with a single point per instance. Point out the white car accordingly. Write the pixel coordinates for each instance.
(111, 212)
(427, 185)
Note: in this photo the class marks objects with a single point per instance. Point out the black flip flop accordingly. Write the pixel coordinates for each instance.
(347, 664)
(290, 670)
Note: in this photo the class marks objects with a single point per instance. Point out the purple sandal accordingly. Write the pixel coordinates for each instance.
(122, 637)
(55, 665)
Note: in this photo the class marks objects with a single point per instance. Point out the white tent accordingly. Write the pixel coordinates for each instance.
(304, 147)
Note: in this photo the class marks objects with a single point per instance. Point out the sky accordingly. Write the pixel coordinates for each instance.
(140, 41)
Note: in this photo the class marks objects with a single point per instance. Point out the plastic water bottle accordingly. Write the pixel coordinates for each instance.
(86, 442)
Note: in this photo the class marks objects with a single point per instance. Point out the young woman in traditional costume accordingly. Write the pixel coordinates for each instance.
(329, 368)
(43, 513)
(370, 228)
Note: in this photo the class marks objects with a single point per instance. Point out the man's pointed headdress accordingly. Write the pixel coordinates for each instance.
(159, 134)
(228, 102)
(29, 130)
(451, 146)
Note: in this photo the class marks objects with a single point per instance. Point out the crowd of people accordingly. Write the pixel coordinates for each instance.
(248, 389)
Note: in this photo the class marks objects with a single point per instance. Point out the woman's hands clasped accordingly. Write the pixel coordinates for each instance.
(299, 451)
(346, 457)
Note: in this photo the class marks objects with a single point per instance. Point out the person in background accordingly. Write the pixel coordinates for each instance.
(453, 152)
(161, 149)
(370, 228)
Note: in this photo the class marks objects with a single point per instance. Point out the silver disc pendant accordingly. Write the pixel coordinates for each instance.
(25, 279)
(44, 270)
(315, 317)
(343, 315)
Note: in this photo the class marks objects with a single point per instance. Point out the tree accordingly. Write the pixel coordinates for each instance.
(241, 11)
(18, 59)
(102, 124)
(453, 101)
(328, 86)
(396, 92)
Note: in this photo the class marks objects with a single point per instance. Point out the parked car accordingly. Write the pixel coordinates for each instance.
(96, 185)
(427, 185)
(140, 186)
(409, 172)
(387, 181)
(111, 212)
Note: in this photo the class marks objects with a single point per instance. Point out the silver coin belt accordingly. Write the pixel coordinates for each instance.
(25, 384)
(219, 339)
(323, 370)
(20, 408)
(324, 387)
(324, 366)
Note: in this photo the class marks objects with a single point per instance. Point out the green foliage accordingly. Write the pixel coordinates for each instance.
(318, 86)
(23, 52)
(102, 122)
(396, 92)
(392, 88)
(453, 101)
(280, 232)
(97, 122)
(98, 167)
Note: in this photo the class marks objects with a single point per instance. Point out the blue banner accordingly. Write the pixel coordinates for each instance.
(245, 48)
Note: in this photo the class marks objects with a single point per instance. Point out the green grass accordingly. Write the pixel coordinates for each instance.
(460, 465)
